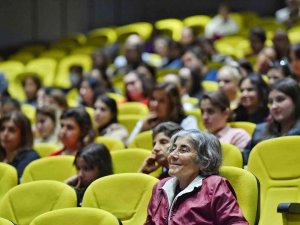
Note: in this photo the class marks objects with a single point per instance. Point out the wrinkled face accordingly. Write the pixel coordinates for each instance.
(249, 95)
(282, 107)
(161, 143)
(45, 125)
(274, 75)
(86, 174)
(10, 136)
(183, 160)
(133, 86)
(160, 104)
(69, 133)
(213, 118)
(295, 64)
(191, 61)
(30, 88)
(227, 84)
(102, 113)
(86, 93)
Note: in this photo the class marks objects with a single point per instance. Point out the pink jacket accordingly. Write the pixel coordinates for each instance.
(206, 201)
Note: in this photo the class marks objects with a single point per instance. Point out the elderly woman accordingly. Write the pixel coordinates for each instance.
(195, 194)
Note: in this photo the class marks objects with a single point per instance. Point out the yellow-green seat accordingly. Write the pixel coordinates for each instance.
(197, 22)
(111, 143)
(58, 168)
(209, 86)
(35, 49)
(24, 202)
(119, 98)
(11, 69)
(130, 160)
(247, 126)
(198, 115)
(44, 149)
(136, 108)
(171, 27)
(129, 120)
(29, 111)
(56, 54)
(8, 178)
(78, 216)
(275, 162)
(161, 73)
(126, 195)
(5, 222)
(142, 140)
(102, 36)
(62, 78)
(247, 191)
(45, 67)
(293, 34)
(143, 29)
(22, 57)
(232, 155)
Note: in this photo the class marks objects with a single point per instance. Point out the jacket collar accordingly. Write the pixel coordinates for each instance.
(170, 186)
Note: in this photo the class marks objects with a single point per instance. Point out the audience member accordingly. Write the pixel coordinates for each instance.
(106, 117)
(295, 61)
(31, 84)
(222, 24)
(216, 113)
(164, 105)
(16, 141)
(161, 136)
(90, 89)
(253, 101)
(75, 132)
(290, 14)
(194, 161)
(92, 162)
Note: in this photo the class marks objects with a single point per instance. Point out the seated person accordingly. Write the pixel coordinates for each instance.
(161, 136)
(92, 162)
(216, 112)
(195, 193)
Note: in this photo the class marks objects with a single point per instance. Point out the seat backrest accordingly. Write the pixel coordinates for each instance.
(135, 108)
(247, 126)
(275, 162)
(111, 143)
(57, 168)
(232, 155)
(44, 149)
(142, 140)
(5, 222)
(129, 203)
(246, 188)
(78, 216)
(130, 160)
(129, 120)
(24, 202)
(8, 178)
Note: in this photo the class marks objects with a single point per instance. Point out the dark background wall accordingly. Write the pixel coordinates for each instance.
(30, 21)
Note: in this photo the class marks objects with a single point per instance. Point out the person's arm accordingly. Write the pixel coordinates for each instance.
(225, 203)
(149, 165)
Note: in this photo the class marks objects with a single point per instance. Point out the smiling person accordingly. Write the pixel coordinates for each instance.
(161, 135)
(76, 131)
(216, 112)
(92, 162)
(164, 105)
(16, 140)
(194, 160)
(284, 100)
(253, 100)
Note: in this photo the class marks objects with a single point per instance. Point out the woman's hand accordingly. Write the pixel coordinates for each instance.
(150, 122)
(149, 165)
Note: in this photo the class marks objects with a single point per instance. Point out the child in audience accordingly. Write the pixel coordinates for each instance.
(92, 162)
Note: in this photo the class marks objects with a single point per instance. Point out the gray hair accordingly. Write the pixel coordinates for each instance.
(208, 148)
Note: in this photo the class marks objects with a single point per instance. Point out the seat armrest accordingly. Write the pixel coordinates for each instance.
(289, 208)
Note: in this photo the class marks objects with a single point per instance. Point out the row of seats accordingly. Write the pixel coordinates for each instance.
(41, 197)
(275, 164)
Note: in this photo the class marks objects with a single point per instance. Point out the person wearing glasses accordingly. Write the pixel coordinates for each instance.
(195, 193)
